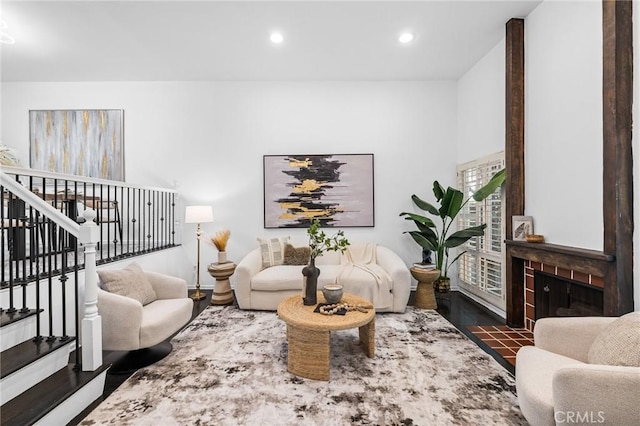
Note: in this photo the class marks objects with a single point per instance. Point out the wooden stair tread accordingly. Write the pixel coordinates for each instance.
(30, 406)
(23, 354)
(10, 318)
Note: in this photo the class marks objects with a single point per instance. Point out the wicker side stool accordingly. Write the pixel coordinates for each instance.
(425, 294)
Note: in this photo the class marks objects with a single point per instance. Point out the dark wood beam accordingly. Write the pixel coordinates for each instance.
(617, 92)
(514, 164)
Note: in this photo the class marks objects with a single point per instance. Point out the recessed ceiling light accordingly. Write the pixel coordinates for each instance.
(276, 38)
(405, 38)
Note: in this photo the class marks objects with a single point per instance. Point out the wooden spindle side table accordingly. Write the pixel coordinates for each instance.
(222, 294)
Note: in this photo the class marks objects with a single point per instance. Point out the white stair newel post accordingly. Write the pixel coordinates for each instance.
(91, 338)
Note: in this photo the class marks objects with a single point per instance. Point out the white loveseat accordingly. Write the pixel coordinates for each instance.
(263, 289)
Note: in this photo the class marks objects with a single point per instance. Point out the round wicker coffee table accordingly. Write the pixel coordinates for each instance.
(309, 333)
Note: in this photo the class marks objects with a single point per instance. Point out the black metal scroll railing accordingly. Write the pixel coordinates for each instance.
(40, 253)
(132, 220)
(20, 300)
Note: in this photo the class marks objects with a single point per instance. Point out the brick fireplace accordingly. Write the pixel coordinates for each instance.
(572, 278)
(544, 279)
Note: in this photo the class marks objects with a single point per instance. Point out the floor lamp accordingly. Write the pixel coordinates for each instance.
(198, 214)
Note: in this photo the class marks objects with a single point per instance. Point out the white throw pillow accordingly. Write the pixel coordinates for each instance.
(618, 343)
(130, 282)
(272, 251)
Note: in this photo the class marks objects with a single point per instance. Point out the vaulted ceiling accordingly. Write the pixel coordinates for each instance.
(229, 40)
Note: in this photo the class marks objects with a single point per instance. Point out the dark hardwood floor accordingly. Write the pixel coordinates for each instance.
(458, 309)
(462, 312)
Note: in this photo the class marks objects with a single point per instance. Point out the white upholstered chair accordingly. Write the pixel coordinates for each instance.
(579, 372)
(143, 328)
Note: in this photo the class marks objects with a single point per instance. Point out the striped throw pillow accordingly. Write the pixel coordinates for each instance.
(272, 251)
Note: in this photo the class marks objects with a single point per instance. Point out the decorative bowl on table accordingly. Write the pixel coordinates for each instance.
(332, 293)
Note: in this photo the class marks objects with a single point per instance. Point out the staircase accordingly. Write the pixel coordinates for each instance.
(50, 329)
(39, 380)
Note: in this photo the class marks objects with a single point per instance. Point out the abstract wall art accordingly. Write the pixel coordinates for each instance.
(336, 189)
(79, 142)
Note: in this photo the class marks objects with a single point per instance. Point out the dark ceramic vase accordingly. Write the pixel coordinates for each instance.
(310, 273)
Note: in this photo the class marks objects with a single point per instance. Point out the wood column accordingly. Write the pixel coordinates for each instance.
(617, 93)
(514, 164)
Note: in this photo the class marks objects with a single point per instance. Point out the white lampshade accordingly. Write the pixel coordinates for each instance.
(198, 214)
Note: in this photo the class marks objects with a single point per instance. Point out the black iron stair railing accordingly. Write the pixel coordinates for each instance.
(41, 260)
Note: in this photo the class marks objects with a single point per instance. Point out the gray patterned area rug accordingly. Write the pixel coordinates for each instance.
(229, 367)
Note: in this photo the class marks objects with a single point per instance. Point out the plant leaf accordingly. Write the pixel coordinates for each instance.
(438, 191)
(454, 260)
(423, 205)
(418, 219)
(423, 241)
(451, 203)
(427, 232)
(461, 237)
(496, 181)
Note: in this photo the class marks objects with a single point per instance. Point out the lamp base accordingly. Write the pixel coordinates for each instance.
(197, 295)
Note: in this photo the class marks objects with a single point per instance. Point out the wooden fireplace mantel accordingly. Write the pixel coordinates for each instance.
(578, 259)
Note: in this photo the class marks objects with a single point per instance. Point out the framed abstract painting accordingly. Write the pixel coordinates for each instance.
(79, 142)
(337, 189)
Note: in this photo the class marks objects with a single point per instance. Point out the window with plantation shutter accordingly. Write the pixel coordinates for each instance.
(480, 268)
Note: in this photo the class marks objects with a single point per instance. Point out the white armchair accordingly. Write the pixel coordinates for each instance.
(127, 325)
(556, 384)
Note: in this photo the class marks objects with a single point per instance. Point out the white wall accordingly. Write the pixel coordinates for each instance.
(481, 112)
(210, 137)
(481, 107)
(563, 125)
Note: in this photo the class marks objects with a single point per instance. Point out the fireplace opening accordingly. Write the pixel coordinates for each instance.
(556, 296)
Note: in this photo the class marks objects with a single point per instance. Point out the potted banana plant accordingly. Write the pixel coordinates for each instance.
(436, 237)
